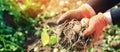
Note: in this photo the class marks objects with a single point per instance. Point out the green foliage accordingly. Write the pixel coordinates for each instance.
(112, 34)
(38, 31)
(18, 23)
(13, 35)
(7, 45)
(45, 36)
(53, 39)
(91, 49)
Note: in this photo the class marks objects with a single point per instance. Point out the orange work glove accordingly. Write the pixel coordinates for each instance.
(96, 25)
(84, 11)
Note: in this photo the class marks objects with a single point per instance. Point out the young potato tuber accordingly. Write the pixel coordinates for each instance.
(85, 22)
(77, 28)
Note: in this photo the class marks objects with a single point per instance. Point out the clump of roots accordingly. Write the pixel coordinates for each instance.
(72, 35)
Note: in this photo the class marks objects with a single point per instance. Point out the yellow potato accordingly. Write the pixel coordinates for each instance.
(85, 22)
(77, 28)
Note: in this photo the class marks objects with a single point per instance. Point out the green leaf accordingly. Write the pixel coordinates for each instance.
(91, 49)
(1, 45)
(118, 50)
(53, 39)
(45, 37)
(111, 49)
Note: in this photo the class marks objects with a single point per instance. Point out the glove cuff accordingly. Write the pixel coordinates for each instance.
(87, 10)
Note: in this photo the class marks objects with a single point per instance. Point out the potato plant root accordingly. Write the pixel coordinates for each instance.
(72, 37)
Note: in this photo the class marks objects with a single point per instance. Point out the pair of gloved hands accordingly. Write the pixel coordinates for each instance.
(96, 22)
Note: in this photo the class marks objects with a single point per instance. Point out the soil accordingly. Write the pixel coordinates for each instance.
(68, 38)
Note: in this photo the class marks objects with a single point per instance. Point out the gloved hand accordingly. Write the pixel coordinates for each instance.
(84, 11)
(96, 25)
